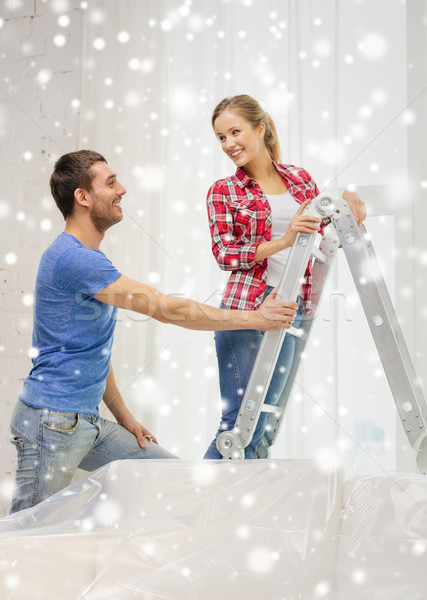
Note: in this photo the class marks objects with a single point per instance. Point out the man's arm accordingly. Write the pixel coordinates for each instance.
(131, 295)
(114, 401)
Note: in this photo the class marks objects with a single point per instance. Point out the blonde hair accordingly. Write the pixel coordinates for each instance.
(248, 108)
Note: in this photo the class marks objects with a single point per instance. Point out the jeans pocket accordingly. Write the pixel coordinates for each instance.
(61, 422)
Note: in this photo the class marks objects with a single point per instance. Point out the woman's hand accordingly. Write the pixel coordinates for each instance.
(358, 207)
(300, 224)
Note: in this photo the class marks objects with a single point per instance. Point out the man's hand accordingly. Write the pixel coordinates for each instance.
(275, 314)
(358, 207)
(139, 431)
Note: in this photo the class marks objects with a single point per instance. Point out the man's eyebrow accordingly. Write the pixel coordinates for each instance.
(112, 176)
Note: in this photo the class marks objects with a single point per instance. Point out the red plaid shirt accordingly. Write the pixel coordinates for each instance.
(240, 220)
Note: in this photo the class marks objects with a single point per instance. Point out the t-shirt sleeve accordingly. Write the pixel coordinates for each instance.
(84, 270)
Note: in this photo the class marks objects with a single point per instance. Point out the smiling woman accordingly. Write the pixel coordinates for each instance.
(254, 217)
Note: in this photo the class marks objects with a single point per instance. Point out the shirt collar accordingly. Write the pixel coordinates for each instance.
(244, 180)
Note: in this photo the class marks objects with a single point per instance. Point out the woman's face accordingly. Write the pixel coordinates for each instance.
(239, 139)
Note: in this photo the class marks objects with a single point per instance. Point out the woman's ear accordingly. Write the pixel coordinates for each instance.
(261, 129)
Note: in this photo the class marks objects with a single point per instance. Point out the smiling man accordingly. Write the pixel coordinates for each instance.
(56, 426)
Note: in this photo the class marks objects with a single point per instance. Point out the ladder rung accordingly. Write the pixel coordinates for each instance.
(318, 254)
(270, 408)
(299, 333)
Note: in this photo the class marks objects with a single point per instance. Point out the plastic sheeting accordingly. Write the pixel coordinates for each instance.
(264, 530)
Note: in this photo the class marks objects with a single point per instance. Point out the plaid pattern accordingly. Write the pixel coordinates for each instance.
(240, 220)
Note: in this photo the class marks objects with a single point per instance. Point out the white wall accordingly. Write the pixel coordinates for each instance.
(38, 81)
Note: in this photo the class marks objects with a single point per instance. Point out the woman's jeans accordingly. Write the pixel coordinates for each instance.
(236, 354)
(51, 445)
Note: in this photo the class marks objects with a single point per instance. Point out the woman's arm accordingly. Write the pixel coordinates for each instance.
(357, 206)
(298, 224)
(307, 224)
(229, 254)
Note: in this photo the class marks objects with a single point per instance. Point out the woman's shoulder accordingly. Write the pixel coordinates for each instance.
(293, 170)
(220, 185)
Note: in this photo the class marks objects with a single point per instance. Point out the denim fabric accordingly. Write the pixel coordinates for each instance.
(51, 445)
(236, 354)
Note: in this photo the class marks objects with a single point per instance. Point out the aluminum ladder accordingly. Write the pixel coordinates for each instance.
(379, 311)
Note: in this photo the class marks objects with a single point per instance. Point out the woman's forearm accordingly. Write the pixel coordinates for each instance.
(267, 249)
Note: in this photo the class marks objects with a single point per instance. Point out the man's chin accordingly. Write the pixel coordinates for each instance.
(103, 224)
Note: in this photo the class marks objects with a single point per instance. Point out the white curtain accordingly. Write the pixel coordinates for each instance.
(327, 72)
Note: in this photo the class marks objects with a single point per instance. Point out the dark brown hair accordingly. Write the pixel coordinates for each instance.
(72, 171)
(248, 108)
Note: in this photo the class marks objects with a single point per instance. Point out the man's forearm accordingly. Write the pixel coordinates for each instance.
(194, 315)
(132, 295)
(113, 398)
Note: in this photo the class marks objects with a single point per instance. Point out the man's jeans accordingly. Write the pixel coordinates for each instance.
(236, 353)
(51, 445)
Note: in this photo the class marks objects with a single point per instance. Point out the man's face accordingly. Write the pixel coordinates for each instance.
(105, 197)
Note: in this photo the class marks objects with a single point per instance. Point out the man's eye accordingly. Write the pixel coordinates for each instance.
(235, 131)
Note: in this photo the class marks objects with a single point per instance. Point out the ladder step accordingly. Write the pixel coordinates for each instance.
(270, 408)
(319, 255)
(298, 333)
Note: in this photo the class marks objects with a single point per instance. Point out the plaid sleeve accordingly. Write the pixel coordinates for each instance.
(229, 254)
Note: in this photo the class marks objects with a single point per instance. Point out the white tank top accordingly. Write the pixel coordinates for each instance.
(283, 208)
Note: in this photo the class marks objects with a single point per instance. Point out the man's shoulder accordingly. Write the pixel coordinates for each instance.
(61, 243)
(68, 247)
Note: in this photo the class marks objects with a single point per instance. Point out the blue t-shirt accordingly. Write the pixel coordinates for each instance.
(73, 332)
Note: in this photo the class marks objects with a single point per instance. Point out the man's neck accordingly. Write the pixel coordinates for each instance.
(87, 234)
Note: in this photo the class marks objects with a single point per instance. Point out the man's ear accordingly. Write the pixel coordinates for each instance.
(80, 197)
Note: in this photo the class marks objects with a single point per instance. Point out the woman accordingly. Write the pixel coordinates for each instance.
(254, 219)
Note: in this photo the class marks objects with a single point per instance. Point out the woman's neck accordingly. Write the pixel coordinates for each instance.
(266, 175)
(261, 168)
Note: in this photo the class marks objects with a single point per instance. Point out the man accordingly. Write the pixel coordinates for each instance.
(56, 425)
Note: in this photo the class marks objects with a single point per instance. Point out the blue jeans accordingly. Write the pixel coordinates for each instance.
(236, 353)
(51, 445)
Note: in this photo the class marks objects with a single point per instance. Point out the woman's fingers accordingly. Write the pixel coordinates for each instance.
(301, 224)
(301, 207)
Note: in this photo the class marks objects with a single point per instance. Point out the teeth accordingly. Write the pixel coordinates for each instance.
(234, 154)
